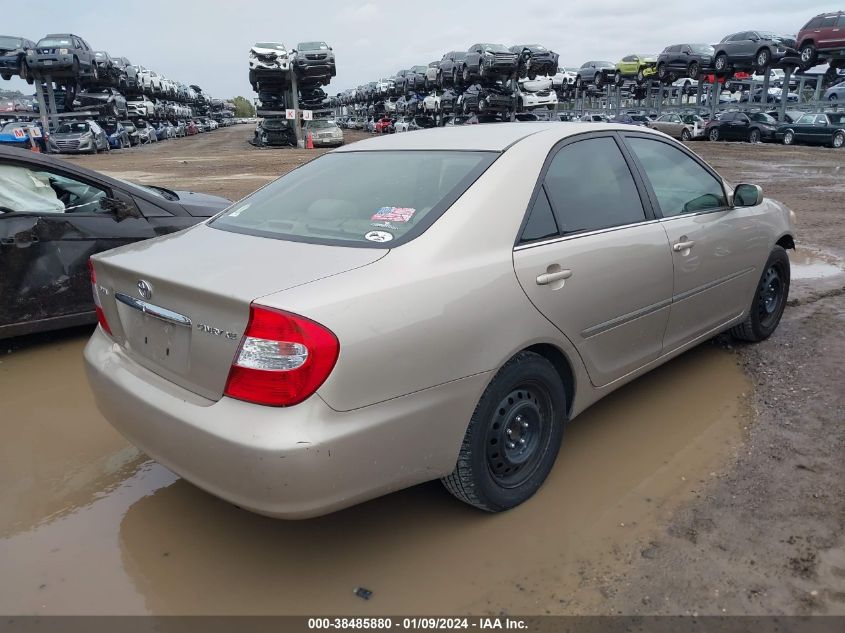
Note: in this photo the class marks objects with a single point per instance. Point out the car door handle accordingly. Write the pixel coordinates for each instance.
(549, 278)
(682, 246)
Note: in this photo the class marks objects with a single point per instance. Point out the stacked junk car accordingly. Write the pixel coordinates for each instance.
(289, 84)
(753, 85)
(91, 100)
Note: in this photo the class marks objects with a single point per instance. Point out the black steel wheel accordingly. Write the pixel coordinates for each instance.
(769, 299)
(513, 437)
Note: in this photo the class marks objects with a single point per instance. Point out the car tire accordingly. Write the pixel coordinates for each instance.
(454, 76)
(713, 135)
(513, 437)
(661, 71)
(465, 75)
(693, 70)
(763, 58)
(23, 70)
(481, 72)
(95, 73)
(685, 135)
(754, 136)
(720, 64)
(769, 300)
(838, 140)
(833, 97)
(598, 79)
(809, 55)
(577, 82)
(640, 76)
(617, 79)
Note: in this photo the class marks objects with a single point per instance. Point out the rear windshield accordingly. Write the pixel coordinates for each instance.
(374, 199)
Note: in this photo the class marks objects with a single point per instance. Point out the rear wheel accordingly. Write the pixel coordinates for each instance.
(693, 70)
(617, 78)
(513, 437)
(714, 134)
(763, 58)
(598, 79)
(661, 71)
(685, 135)
(465, 75)
(769, 300)
(754, 136)
(838, 140)
(721, 63)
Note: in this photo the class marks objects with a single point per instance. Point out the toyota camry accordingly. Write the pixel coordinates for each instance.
(425, 306)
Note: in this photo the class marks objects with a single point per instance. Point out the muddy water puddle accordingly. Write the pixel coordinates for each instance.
(807, 264)
(91, 526)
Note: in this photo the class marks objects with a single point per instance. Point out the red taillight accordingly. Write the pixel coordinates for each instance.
(98, 308)
(283, 358)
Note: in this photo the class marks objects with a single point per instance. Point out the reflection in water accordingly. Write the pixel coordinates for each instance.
(157, 544)
(808, 264)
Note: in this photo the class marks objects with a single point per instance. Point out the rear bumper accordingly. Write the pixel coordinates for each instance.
(295, 462)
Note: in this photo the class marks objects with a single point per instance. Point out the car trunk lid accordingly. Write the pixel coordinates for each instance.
(178, 305)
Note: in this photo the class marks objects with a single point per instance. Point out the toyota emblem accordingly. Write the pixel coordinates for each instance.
(145, 289)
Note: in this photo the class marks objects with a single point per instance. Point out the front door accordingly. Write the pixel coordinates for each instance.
(593, 262)
(51, 224)
(717, 251)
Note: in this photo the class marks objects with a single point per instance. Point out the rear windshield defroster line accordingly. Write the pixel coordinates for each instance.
(366, 199)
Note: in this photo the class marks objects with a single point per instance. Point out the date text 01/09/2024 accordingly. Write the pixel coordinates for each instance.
(417, 623)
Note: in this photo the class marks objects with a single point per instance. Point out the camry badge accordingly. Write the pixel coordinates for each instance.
(145, 289)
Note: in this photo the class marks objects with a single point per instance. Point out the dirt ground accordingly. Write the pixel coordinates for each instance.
(712, 485)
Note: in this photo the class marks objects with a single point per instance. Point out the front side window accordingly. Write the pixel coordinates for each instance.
(680, 184)
(25, 190)
(358, 198)
(590, 187)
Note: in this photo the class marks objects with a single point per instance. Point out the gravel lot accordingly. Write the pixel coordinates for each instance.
(735, 505)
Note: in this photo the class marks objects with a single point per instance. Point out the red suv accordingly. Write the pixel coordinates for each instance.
(825, 32)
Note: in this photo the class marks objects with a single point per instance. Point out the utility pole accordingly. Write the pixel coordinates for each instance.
(297, 123)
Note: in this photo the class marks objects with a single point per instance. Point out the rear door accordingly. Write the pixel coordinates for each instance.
(717, 251)
(593, 260)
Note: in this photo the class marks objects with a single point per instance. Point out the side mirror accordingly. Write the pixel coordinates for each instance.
(748, 195)
(120, 209)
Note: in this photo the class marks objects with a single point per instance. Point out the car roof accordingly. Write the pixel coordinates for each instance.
(492, 137)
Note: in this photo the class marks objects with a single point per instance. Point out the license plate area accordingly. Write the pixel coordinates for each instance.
(163, 341)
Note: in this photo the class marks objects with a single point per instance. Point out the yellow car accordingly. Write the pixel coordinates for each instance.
(638, 66)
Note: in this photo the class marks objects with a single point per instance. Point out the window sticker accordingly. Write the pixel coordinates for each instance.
(378, 236)
(238, 211)
(393, 214)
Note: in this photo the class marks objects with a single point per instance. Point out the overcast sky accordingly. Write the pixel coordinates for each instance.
(206, 42)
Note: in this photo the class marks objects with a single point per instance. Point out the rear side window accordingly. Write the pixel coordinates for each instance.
(814, 23)
(828, 22)
(680, 184)
(541, 221)
(840, 22)
(590, 187)
(380, 198)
